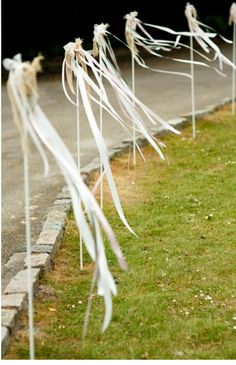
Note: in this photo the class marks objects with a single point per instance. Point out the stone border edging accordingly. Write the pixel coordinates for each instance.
(14, 299)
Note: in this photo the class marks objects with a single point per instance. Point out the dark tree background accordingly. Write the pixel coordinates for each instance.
(46, 25)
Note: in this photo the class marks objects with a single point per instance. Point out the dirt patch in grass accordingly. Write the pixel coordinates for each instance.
(178, 298)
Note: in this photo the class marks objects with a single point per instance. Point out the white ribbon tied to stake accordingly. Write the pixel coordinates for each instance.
(203, 37)
(92, 89)
(74, 53)
(137, 36)
(89, 218)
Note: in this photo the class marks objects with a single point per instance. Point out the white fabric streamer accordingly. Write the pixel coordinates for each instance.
(91, 88)
(89, 218)
(137, 36)
(203, 38)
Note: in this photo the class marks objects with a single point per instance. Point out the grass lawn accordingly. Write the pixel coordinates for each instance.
(178, 298)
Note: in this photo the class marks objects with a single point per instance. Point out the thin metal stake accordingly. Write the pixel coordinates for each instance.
(101, 130)
(233, 70)
(79, 159)
(133, 90)
(192, 88)
(28, 250)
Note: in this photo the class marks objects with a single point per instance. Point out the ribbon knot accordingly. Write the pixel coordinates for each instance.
(100, 30)
(232, 14)
(130, 27)
(190, 12)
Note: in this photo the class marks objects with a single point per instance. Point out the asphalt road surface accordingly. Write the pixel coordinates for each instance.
(167, 95)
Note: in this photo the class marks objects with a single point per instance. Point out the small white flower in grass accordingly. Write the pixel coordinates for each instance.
(61, 327)
(179, 353)
(234, 328)
(208, 297)
(80, 301)
(174, 300)
(234, 318)
(209, 216)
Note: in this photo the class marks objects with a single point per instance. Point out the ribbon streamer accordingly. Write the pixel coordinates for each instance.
(97, 93)
(203, 38)
(137, 36)
(131, 24)
(206, 44)
(97, 40)
(88, 216)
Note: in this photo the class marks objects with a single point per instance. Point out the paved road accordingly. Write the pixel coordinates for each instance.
(169, 96)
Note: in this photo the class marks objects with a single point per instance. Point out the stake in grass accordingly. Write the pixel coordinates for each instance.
(79, 160)
(97, 44)
(92, 89)
(131, 23)
(203, 38)
(20, 114)
(90, 220)
(196, 32)
(138, 36)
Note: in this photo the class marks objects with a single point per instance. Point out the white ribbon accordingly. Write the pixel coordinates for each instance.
(125, 97)
(138, 36)
(89, 218)
(203, 38)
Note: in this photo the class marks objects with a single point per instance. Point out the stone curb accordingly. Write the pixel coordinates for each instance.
(14, 299)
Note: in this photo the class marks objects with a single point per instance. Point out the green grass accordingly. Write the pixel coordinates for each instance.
(178, 298)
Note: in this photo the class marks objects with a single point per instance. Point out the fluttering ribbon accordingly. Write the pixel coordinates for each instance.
(90, 220)
(130, 105)
(84, 81)
(137, 36)
(109, 71)
(203, 38)
(24, 134)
